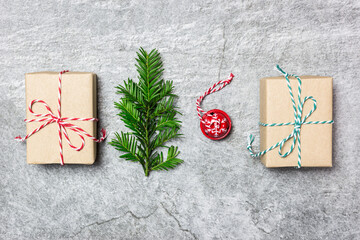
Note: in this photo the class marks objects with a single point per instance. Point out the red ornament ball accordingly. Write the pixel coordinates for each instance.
(217, 124)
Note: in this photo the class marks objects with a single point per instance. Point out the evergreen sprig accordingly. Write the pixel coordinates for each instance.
(147, 109)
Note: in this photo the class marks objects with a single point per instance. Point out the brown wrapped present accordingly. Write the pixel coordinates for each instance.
(69, 138)
(295, 126)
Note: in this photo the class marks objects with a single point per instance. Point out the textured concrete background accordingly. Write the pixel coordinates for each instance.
(219, 192)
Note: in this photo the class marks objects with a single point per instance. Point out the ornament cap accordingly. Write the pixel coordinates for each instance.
(216, 124)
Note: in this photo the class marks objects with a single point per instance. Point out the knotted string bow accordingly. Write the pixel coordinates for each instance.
(50, 117)
(299, 120)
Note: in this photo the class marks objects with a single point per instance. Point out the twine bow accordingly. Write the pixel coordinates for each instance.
(50, 117)
(299, 120)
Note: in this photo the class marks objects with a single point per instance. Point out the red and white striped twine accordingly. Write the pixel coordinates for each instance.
(212, 89)
(50, 117)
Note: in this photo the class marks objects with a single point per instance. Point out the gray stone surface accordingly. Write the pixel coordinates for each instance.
(219, 192)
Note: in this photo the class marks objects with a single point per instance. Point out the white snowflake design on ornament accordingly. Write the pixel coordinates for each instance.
(214, 125)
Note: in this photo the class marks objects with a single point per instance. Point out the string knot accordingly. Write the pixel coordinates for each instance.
(297, 123)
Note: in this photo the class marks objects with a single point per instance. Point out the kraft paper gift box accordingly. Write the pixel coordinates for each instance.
(276, 107)
(78, 99)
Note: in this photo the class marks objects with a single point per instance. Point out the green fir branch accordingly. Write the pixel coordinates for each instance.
(171, 160)
(128, 144)
(147, 108)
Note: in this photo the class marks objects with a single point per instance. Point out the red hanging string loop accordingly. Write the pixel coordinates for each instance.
(212, 89)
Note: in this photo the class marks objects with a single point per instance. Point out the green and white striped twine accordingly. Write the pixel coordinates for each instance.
(298, 121)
